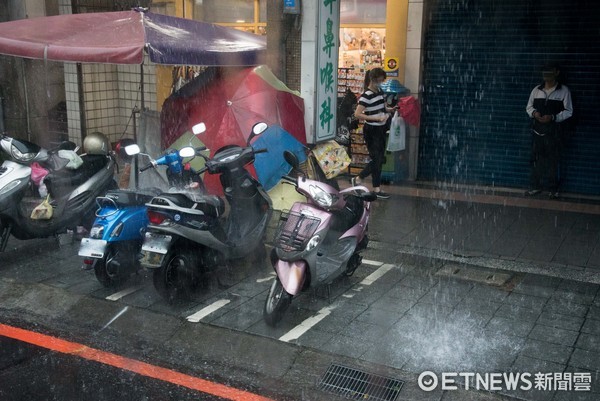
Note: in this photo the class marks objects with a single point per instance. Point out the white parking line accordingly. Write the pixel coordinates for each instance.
(196, 317)
(377, 274)
(303, 327)
(262, 280)
(307, 324)
(118, 295)
(371, 262)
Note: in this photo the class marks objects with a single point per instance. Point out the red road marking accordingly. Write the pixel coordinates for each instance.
(118, 361)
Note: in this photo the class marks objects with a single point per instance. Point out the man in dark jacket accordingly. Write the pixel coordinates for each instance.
(549, 106)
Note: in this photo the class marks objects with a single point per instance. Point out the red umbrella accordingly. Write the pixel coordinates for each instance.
(122, 37)
(230, 102)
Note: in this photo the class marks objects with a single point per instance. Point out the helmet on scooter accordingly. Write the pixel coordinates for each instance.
(96, 143)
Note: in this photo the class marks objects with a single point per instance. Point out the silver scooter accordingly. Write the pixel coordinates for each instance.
(190, 234)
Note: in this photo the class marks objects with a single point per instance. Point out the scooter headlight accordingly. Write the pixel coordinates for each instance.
(19, 156)
(9, 187)
(323, 198)
(313, 243)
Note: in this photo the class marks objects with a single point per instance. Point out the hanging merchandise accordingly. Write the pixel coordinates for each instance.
(346, 121)
(332, 158)
(397, 139)
(410, 110)
(183, 74)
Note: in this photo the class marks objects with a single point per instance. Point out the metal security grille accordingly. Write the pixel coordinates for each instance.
(482, 60)
(358, 385)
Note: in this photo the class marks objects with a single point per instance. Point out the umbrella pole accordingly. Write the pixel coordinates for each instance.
(27, 111)
(142, 84)
(136, 173)
(80, 89)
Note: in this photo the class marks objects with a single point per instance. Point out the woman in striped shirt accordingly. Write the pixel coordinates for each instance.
(374, 112)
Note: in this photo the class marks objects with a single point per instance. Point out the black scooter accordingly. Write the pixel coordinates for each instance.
(190, 234)
(73, 192)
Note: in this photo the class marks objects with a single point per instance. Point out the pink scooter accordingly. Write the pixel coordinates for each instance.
(316, 241)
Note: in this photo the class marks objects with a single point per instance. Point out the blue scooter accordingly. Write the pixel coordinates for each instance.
(117, 234)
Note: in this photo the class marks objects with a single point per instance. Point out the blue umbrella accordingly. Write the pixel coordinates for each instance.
(271, 166)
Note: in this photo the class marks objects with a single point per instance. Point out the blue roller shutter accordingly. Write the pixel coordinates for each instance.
(482, 58)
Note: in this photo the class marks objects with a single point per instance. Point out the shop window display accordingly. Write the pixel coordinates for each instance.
(361, 49)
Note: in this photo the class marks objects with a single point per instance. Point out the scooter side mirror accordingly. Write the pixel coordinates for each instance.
(188, 151)
(199, 128)
(132, 150)
(291, 159)
(257, 129)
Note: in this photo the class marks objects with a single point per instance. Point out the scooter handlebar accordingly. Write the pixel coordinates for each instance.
(146, 167)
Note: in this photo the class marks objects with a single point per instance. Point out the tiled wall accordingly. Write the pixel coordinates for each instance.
(72, 98)
(110, 93)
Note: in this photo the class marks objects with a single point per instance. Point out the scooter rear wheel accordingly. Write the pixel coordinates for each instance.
(278, 300)
(177, 277)
(105, 273)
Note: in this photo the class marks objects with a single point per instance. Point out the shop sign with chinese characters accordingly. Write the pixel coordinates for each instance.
(327, 60)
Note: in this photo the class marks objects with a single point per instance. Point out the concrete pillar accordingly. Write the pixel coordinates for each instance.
(395, 33)
(412, 76)
(320, 43)
(309, 69)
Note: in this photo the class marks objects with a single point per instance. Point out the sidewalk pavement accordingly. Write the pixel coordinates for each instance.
(470, 282)
(495, 229)
(501, 283)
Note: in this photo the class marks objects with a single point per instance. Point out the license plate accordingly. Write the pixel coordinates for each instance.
(151, 259)
(92, 248)
(156, 243)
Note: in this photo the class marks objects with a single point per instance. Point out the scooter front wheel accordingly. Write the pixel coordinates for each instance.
(177, 277)
(278, 300)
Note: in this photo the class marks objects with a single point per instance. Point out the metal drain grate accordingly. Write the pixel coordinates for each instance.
(358, 385)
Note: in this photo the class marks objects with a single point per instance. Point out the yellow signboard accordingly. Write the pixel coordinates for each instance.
(391, 66)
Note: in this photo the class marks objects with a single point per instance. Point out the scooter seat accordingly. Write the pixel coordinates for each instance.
(125, 197)
(210, 205)
(62, 182)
